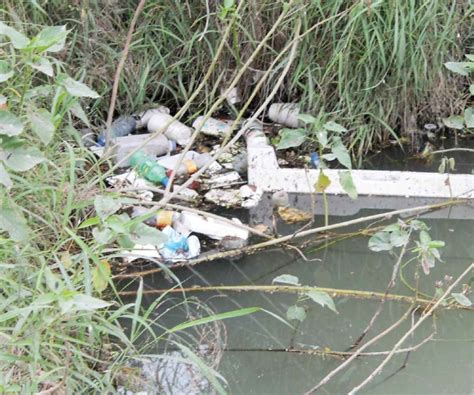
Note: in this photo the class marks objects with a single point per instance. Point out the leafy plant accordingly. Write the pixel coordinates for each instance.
(110, 227)
(398, 234)
(297, 312)
(327, 136)
(31, 113)
(466, 120)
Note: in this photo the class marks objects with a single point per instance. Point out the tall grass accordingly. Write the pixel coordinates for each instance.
(378, 67)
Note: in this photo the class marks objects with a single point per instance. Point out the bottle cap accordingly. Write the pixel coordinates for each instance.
(165, 181)
(164, 218)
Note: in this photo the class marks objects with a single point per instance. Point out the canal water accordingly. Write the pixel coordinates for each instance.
(251, 352)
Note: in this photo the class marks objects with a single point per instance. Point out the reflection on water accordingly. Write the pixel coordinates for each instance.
(255, 361)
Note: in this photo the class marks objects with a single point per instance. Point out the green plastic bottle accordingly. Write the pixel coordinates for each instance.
(147, 167)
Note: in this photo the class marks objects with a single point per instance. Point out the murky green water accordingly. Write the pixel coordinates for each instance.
(255, 361)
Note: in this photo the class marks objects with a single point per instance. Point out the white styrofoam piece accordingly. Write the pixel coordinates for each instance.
(265, 173)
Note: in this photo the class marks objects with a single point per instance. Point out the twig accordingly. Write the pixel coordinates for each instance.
(120, 67)
(425, 315)
(390, 285)
(335, 371)
(443, 151)
(208, 16)
(335, 292)
(284, 239)
(331, 353)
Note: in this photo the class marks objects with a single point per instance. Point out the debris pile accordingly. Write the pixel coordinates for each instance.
(152, 157)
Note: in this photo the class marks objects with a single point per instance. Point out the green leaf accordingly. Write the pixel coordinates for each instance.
(436, 244)
(78, 89)
(296, 313)
(5, 71)
(345, 178)
(322, 183)
(334, 127)
(380, 242)
(89, 222)
(469, 117)
(322, 137)
(23, 158)
(81, 302)
(306, 118)
(286, 279)
(229, 3)
(78, 112)
(42, 125)
(14, 223)
(458, 67)
(10, 124)
(214, 317)
(18, 40)
(143, 234)
(106, 206)
(118, 222)
(392, 228)
(341, 153)
(103, 236)
(291, 138)
(4, 177)
(44, 66)
(418, 225)
(471, 89)
(399, 238)
(322, 298)
(51, 39)
(442, 166)
(462, 299)
(425, 238)
(454, 122)
(101, 276)
(470, 57)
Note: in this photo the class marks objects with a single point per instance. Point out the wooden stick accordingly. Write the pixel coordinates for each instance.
(118, 72)
(284, 239)
(334, 292)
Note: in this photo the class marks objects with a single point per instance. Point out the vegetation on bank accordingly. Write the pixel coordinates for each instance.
(376, 66)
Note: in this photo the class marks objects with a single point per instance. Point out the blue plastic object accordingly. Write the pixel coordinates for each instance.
(314, 159)
(176, 242)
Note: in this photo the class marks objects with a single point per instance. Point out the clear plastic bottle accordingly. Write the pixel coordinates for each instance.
(148, 168)
(122, 126)
(176, 130)
(190, 164)
(157, 146)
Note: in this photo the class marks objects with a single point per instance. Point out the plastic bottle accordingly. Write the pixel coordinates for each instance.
(159, 145)
(145, 116)
(122, 126)
(148, 168)
(285, 114)
(160, 219)
(176, 130)
(190, 164)
(213, 127)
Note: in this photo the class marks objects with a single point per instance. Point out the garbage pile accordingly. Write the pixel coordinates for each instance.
(146, 160)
